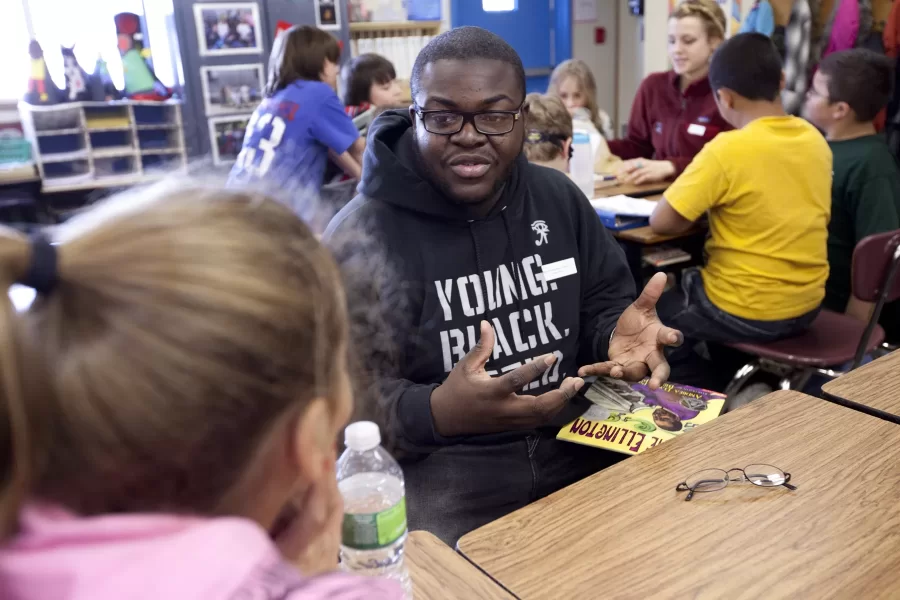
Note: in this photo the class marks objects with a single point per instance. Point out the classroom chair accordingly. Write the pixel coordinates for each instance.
(834, 339)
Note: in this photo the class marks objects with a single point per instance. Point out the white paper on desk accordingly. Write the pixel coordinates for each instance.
(625, 206)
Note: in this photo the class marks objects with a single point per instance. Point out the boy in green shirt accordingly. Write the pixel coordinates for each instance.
(847, 92)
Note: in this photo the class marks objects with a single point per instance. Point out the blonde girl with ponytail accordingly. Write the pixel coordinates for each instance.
(169, 404)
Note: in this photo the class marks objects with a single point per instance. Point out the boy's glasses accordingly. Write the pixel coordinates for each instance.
(713, 480)
(451, 122)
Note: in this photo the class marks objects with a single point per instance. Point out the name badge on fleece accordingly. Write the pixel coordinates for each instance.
(695, 129)
(559, 269)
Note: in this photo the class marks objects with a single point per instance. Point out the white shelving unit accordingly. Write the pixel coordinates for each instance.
(86, 145)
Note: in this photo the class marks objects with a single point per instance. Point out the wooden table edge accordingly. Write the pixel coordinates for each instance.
(629, 235)
(499, 583)
(634, 191)
(872, 412)
(424, 537)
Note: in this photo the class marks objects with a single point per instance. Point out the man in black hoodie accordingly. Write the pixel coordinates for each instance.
(510, 284)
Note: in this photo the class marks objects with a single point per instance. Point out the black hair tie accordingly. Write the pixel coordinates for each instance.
(41, 274)
(533, 136)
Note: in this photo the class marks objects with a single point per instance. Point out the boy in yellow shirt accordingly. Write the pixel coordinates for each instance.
(767, 190)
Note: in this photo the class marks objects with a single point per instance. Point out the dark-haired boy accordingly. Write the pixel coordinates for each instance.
(767, 190)
(848, 90)
(370, 80)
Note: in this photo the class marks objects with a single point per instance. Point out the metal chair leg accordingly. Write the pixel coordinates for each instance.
(741, 377)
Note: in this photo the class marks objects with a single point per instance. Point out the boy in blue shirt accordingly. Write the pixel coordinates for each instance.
(301, 123)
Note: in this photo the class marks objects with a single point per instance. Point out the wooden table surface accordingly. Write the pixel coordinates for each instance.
(605, 190)
(874, 388)
(626, 533)
(647, 237)
(437, 571)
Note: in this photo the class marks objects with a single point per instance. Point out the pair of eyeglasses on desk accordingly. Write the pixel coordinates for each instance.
(713, 480)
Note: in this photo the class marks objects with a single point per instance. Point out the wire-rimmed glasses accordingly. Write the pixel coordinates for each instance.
(451, 122)
(713, 480)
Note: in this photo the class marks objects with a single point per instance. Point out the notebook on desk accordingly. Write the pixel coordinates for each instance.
(623, 212)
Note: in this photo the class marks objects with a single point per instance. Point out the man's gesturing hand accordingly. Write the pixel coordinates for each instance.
(472, 402)
(637, 345)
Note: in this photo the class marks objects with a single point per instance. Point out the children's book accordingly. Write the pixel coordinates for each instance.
(616, 223)
(630, 417)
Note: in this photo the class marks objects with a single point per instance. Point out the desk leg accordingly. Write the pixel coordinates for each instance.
(634, 256)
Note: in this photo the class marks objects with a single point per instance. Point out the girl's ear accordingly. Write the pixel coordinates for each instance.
(312, 445)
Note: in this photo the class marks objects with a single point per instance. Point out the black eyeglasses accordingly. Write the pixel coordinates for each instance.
(713, 480)
(451, 122)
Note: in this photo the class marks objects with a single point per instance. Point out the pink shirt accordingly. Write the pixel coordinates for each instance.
(59, 556)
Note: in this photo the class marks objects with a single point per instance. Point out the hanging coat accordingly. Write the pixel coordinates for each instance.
(760, 20)
(796, 61)
(843, 27)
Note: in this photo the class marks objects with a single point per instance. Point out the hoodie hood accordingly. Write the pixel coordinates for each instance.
(392, 174)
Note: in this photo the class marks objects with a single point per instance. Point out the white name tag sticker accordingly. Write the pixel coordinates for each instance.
(695, 129)
(559, 269)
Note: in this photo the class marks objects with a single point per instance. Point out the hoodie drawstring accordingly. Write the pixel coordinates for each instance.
(517, 260)
(480, 268)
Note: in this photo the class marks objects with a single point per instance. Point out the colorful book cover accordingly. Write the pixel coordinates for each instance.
(630, 417)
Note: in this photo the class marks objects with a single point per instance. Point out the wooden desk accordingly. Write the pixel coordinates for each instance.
(646, 236)
(439, 572)
(626, 533)
(637, 238)
(605, 190)
(873, 388)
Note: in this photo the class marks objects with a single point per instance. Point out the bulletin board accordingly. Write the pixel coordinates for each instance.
(239, 55)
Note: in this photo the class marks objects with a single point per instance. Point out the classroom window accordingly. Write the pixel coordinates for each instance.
(89, 25)
(14, 50)
(499, 5)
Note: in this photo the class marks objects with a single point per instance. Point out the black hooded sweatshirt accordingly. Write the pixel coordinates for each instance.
(540, 267)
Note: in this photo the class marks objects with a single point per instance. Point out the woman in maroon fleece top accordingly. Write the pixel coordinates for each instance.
(674, 113)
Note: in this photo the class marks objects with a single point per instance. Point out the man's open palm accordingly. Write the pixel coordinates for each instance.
(637, 345)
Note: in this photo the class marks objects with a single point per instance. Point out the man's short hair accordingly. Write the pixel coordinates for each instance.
(547, 125)
(861, 78)
(466, 43)
(749, 65)
(359, 74)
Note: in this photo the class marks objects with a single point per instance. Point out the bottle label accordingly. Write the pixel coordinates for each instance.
(370, 531)
(579, 137)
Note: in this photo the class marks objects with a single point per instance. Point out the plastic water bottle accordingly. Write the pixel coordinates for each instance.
(581, 166)
(374, 530)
